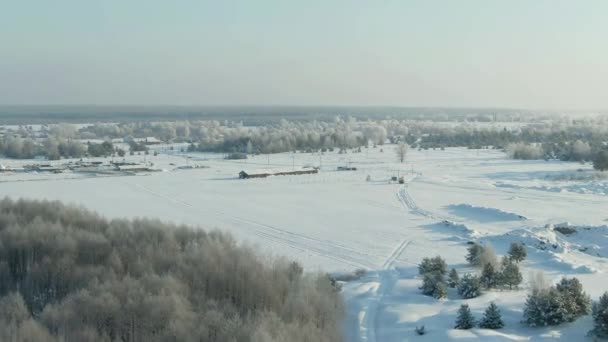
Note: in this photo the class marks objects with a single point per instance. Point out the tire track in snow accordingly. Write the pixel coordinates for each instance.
(323, 248)
(387, 278)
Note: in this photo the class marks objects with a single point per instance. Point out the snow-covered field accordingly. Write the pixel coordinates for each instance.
(338, 221)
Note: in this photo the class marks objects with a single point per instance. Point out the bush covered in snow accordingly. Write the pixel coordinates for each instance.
(469, 286)
(433, 265)
(600, 317)
(564, 302)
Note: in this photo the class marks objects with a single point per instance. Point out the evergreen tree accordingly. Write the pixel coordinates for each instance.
(575, 300)
(489, 276)
(433, 285)
(491, 318)
(600, 162)
(544, 308)
(433, 265)
(517, 252)
(510, 274)
(469, 286)
(473, 253)
(453, 278)
(600, 317)
(465, 319)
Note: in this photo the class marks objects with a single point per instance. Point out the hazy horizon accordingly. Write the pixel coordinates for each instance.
(542, 55)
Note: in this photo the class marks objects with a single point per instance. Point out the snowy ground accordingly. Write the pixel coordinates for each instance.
(337, 221)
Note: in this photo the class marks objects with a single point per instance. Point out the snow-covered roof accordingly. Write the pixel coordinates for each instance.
(275, 170)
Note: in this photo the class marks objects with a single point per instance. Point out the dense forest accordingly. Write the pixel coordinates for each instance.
(67, 274)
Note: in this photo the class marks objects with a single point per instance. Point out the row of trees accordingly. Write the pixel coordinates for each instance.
(576, 151)
(557, 139)
(67, 274)
(579, 140)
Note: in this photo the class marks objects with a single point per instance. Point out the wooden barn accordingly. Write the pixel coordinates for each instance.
(266, 173)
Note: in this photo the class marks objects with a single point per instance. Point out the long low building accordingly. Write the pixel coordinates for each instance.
(267, 173)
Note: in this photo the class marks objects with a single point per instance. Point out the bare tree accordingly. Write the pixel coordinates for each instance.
(401, 151)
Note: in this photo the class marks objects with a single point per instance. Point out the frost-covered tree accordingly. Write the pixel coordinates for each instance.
(401, 151)
(510, 274)
(545, 307)
(433, 265)
(564, 302)
(492, 318)
(489, 276)
(473, 253)
(67, 274)
(479, 256)
(600, 317)
(517, 252)
(600, 162)
(469, 286)
(464, 319)
(575, 300)
(453, 278)
(433, 285)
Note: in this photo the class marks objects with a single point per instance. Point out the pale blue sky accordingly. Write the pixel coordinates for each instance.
(512, 53)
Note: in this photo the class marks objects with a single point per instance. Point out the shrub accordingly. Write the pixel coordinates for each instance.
(433, 285)
(420, 330)
(236, 156)
(469, 286)
(433, 265)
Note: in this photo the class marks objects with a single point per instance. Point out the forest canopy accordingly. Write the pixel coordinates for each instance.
(68, 274)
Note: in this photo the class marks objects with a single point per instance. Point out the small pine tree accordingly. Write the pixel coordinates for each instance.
(491, 318)
(453, 278)
(510, 274)
(469, 286)
(600, 317)
(465, 319)
(517, 252)
(576, 301)
(473, 253)
(489, 276)
(433, 285)
(433, 265)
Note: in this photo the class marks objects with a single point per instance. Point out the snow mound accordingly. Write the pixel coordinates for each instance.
(483, 214)
(558, 245)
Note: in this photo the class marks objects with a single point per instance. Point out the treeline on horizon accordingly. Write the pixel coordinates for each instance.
(67, 274)
(560, 138)
(249, 115)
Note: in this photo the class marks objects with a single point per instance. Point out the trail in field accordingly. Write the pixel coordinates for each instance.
(303, 243)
